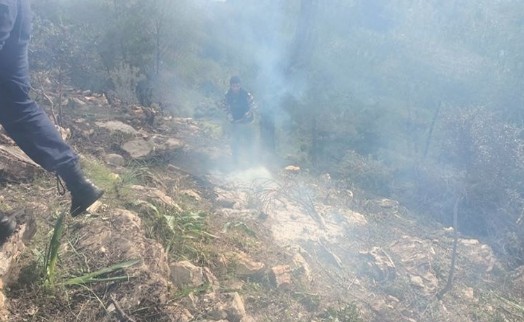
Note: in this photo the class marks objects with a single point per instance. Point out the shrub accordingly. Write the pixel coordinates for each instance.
(489, 155)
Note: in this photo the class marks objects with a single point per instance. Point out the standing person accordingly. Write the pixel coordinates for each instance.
(240, 106)
(25, 121)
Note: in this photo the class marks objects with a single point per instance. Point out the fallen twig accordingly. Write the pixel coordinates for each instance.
(123, 315)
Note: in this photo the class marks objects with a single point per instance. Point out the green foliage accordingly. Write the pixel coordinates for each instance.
(178, 231)
(238, 225)
(96, 276)
(347, 313)
(366, 173)
(63, 48)
(125, 79)
(184, 292)
(488, 153)
(480, 158)
(90, 41)
(51, 257)
(102, 175)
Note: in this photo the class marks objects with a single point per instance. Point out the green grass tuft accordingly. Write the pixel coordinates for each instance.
(51, 257)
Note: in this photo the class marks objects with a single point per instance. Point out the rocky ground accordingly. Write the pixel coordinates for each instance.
(182, 236)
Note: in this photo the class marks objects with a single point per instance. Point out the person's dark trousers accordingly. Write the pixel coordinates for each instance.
(21, 117)
(32, 130)
(267, 133)
(243, 144)
(24, 120)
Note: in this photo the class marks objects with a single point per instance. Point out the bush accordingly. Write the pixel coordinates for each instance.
(488, 154)
(125, 79)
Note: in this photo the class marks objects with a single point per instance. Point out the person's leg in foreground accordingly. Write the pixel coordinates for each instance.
(25, 122)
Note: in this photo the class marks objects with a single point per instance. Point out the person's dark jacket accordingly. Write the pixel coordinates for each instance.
(239, 104)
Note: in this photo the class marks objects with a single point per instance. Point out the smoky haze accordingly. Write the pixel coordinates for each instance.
(369, 52)
(418, 91)
(419, 101)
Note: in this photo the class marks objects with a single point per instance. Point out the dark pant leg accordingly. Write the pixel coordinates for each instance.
(236, 142)
(267, 133)
(243, 144)
(30, 127)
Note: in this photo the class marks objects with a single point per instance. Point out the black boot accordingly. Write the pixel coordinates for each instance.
(83, 192)
(7, 227)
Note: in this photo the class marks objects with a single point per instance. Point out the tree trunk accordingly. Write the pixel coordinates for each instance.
(303, 42)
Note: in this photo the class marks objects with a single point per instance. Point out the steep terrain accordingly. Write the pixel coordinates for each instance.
(194, 239)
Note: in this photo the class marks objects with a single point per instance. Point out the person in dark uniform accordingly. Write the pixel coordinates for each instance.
(25, 122)
(240, 105)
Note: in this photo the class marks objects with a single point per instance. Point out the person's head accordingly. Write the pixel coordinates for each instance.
(234, 83)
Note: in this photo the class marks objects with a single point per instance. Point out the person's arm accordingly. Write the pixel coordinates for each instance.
(251, 102)
(8, 12)
(226, 106)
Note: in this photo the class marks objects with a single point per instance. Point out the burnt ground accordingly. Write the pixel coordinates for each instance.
(263, 243)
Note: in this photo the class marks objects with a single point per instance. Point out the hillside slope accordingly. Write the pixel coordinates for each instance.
(215, 243)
